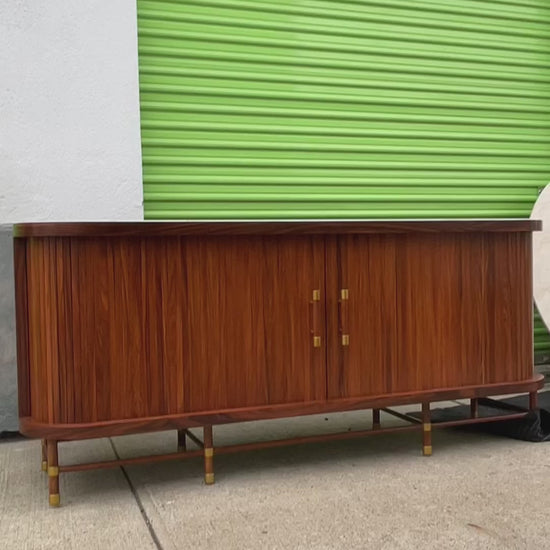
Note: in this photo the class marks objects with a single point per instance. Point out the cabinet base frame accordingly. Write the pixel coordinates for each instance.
(207, 448)
(30, 427)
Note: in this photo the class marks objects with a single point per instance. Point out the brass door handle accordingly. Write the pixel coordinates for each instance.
(315, 302)
(343, 316)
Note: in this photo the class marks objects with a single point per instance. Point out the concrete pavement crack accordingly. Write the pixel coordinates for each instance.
(137, 498)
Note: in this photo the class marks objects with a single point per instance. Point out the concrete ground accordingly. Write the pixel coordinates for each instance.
(476, 492)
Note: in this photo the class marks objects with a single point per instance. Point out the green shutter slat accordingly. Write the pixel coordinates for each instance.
(359, 94)
(272, 109)
(376, 90)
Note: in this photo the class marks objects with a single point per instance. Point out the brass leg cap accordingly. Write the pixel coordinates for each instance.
(44, 466)
(54, 500)
(209, 479)
(427, 450)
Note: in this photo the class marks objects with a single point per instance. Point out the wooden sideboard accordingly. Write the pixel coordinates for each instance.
(136, 327)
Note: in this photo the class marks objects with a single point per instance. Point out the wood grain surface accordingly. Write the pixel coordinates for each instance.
(364, 266)
(248, 321)
(187, 328)
(320, 227)
(441, 311)
(85, 430)
(129, 328)
(22, 326)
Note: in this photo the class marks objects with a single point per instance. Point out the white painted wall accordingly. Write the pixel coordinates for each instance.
(69, 111)
(69, 131)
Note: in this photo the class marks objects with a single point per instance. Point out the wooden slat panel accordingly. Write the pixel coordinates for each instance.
(22, 326)
(174, 304)
(508, 335)
(78, 299)
(42, 330)
(84, 327)
(131, 327)
(93, 301)
(164, 287)
(128, 353)
(37, 379)
(248, 321)
(366, 267)
(439, 311)
(152, 291)
(102, 286)
(126, 307)
(49, 328)
(65, 332)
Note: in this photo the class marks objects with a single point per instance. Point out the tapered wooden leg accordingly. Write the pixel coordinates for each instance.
(182, 442)
(426, 430)
(44, 456)
(474, 408)
(53, 472)
(533, 400)
(375, 419)
(208, 455)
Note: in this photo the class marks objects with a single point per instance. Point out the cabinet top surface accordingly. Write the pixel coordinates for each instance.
(314, 227)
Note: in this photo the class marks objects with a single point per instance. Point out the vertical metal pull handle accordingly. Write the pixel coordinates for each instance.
(343, 316)
(315, 333)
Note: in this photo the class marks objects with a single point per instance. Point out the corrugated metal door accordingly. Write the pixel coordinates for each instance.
(344, 109)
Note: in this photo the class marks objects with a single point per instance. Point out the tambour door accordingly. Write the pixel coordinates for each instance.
(427, 311)
(442, 310)
(464, 309)
(254, 321)
(132, 327)
(361, 301)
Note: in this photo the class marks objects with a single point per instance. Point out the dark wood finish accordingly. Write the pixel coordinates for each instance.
(439, 308)
(426, 430)
(32, 428)
(465, 302)
(67, 367)
(182, 440)
(135, 327)
(508, 307)
(248, 318)
(375, 419)
(474, 408)
(533, 400)
(44, 448)
(208, 455)
(365, 267)
(22, 326)
(244, 447)
(123, 328)
(166, 229)
(53, 472)
(106, 464)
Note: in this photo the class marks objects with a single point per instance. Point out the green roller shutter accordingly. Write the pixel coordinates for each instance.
(344, 109)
